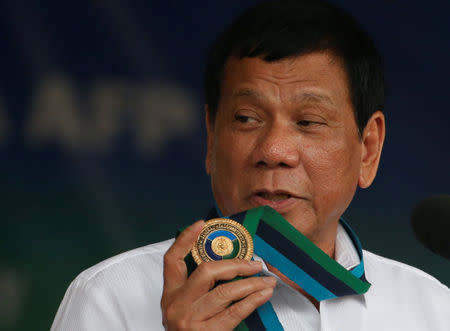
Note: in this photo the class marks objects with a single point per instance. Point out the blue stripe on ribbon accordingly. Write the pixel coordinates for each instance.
(269, 317)
(290, 270)
(358, 271)
(301, 259)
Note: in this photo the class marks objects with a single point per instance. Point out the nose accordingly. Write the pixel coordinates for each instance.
(277, 146)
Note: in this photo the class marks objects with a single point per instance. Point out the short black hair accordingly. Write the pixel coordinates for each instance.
(276, 30)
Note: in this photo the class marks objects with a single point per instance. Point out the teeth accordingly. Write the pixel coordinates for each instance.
(274, 197)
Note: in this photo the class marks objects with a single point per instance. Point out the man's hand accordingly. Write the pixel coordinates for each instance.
(194, 304)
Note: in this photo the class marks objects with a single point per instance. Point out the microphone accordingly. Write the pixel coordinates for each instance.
(430, 220)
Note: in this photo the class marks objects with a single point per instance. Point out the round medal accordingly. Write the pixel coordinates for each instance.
(222, 239)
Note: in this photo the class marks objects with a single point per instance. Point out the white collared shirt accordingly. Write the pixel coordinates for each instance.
(124, 293)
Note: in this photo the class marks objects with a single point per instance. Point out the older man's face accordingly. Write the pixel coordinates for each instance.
(285, 136)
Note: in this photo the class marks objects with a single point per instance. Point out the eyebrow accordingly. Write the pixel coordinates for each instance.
(247, 92)
(315, 98)
(306, 96)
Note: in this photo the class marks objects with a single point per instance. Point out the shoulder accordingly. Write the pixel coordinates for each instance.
(147, 259)
(135, 271)
(403, 297)
(382, 269)
(121, 292)
(400, 294)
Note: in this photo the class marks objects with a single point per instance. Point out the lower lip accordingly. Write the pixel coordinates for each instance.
(281, 206)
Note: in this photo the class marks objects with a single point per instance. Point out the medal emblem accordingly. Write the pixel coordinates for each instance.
(222, 239)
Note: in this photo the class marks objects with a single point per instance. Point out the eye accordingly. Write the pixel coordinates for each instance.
(310, 124)
(244, 119)
(305, 123)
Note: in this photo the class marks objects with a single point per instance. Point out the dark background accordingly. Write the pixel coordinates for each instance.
(102, 134)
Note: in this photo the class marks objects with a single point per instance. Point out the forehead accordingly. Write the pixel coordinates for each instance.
(313, 77)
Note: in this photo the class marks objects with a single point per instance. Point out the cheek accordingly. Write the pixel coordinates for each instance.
(229, 175)
(229, 164)
(231, 152)
(333, 169)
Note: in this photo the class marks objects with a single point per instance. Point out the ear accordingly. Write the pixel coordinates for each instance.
(209, 140)
(372, 143)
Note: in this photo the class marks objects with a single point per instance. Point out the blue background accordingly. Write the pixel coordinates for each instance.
(102, 137)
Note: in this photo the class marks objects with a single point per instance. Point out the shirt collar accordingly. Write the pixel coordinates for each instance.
(345, 252)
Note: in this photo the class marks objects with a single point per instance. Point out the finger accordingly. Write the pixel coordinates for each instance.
(208, 274)
(222, 296)
(175, 271)
(233, 315)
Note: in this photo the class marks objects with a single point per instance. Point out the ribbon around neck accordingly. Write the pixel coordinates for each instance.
(278, 243)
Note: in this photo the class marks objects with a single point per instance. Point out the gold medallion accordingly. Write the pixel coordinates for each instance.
(222, 239)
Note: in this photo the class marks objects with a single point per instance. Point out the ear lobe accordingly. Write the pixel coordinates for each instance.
(372, 143)
(209, 140)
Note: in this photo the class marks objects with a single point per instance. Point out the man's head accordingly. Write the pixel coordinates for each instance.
(293, 93)
(282, 29)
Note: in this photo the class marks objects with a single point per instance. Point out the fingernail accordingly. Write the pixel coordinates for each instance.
(266, 292)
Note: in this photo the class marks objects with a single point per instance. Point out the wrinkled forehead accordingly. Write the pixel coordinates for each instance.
(317, 77)
(297, 66)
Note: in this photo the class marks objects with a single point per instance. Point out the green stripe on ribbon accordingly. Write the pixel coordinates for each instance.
(278, 223)
(241, 327)
(251, 220)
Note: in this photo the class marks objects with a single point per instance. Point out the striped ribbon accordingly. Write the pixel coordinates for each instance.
(278, 243)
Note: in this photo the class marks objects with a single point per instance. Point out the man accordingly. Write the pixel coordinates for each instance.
(294, 100)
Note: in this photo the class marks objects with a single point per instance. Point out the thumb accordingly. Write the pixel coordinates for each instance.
(175, 271)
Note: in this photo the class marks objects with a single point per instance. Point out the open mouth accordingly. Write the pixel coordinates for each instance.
(281, 201)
